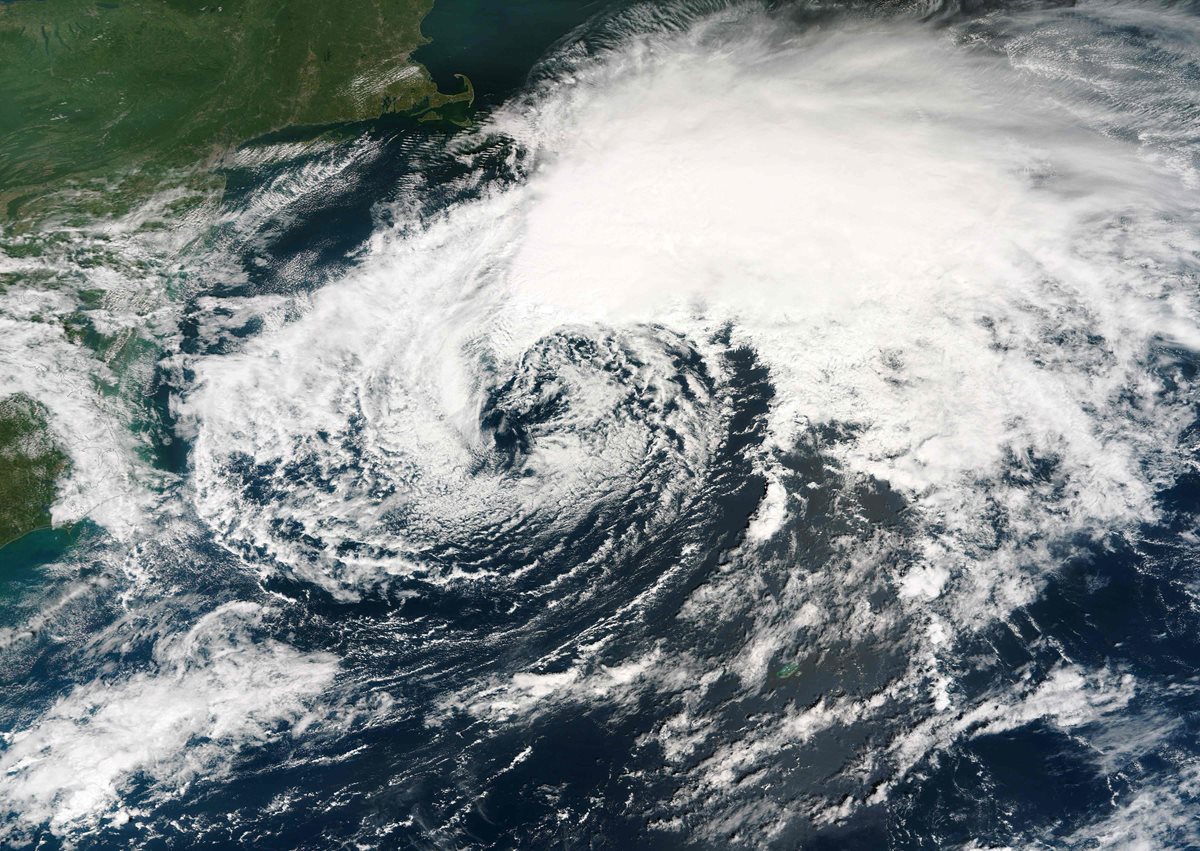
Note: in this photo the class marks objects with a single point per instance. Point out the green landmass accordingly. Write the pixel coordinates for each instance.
(123, 111)
(30, 466)
(103, 102)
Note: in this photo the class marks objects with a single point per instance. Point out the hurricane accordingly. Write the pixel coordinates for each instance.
(762, 426)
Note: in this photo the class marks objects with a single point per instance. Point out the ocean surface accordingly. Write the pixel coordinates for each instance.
(767, 426)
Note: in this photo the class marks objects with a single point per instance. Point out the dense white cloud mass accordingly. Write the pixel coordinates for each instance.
(211, 693)
(964, 261)
(915, 235)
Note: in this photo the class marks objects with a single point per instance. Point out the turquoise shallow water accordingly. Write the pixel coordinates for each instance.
(36, 549)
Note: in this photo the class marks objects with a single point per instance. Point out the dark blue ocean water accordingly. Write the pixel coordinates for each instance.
(593, 774)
